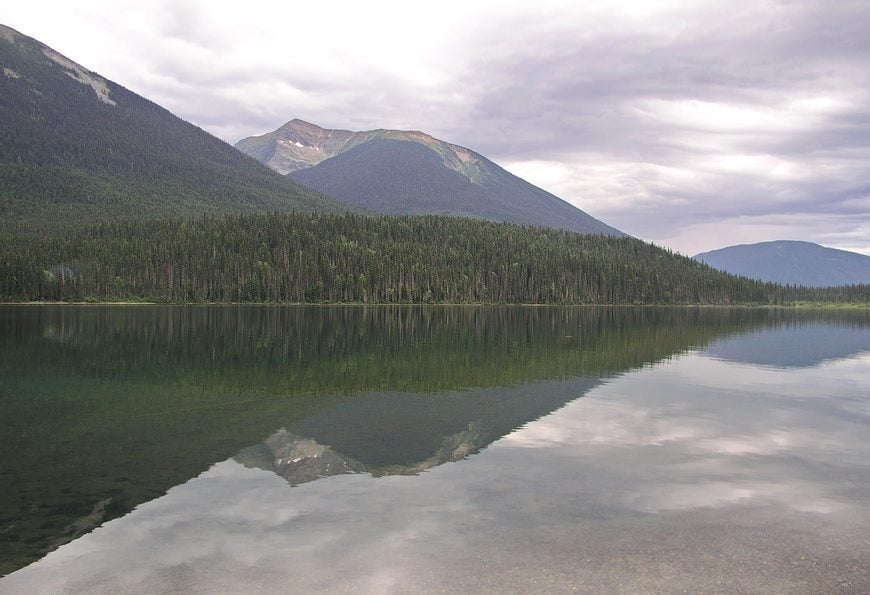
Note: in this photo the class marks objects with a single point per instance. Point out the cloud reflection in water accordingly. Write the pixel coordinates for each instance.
(677, 476)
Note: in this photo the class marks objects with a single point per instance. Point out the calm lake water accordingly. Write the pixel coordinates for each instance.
(462, 449)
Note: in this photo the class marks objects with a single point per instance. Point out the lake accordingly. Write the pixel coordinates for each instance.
(404, 449)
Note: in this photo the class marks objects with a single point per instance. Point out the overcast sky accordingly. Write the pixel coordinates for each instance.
(695, 125)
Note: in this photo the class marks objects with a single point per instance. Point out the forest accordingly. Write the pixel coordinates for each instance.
(354, 258)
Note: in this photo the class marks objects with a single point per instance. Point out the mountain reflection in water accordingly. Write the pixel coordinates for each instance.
(798, 344)
(404, 433)
(111, 407)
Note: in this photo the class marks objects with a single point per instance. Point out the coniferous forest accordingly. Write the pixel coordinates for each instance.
(66, 155)
(313, 258)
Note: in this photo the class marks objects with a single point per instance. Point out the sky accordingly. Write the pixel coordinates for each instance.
(695, 125)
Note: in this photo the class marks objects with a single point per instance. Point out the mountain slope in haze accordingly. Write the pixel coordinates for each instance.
(409, 173)
(76, 146)
(792, 262)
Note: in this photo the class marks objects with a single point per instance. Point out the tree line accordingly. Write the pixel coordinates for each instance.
(311, 258)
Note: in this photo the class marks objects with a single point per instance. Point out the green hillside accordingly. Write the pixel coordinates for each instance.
(298, 257)
(77, 147)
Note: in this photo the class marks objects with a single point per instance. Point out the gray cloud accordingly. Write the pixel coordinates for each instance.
(691, 125)
(756, 114)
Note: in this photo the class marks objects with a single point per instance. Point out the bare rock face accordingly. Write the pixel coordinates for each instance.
(82, 75)
(299, 145)
(71, 69)
(300, 460)
(297, 459)
(296, 145)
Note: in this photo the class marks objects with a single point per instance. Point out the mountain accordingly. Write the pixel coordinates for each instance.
(398, 172)
(786, 346)
(793, 262)
(399, 433)
(76, 146)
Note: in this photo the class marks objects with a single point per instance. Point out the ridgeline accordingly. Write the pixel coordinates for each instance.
(400, 172)
(77, 147)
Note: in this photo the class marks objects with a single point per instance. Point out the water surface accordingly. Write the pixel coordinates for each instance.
(245, 449)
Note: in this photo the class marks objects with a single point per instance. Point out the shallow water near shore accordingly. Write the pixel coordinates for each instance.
(393, 449)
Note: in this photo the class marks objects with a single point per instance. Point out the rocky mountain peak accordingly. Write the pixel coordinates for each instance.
(411, 172)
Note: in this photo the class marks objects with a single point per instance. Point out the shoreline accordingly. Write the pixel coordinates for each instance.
(797, 306)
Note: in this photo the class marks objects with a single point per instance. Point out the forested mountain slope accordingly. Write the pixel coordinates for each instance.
(77, 147)
(358, 258)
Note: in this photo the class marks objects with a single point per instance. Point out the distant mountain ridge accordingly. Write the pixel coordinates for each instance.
(78, 147)
(398, 172)
(791, 262)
